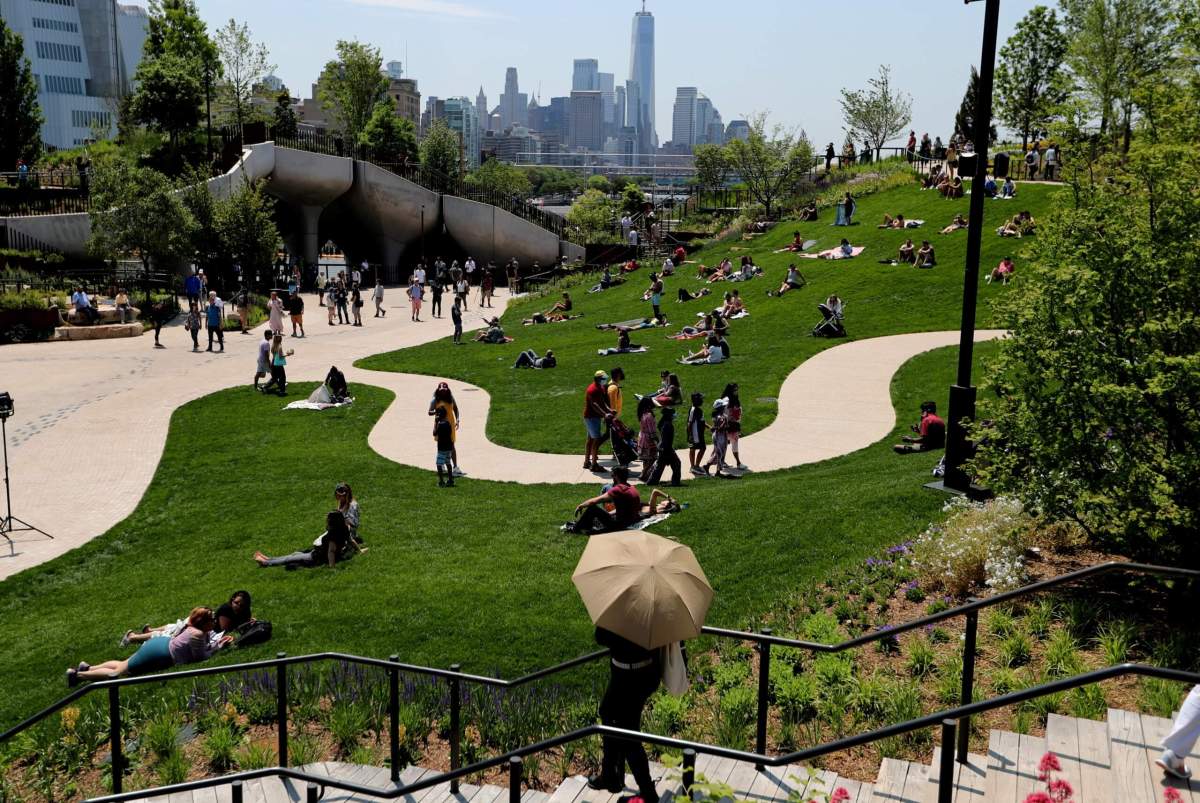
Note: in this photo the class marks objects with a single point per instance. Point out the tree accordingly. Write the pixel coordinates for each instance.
(500, 178)
(135, 211)
(1028, 79)
(351, 85)
(284, 123)
(964, 119)
(441, 151)
(632, 198)
(601, 183)
(877, 113)
(21, 134)
(388, 138)
(244, 64)
(245, 223)
(592, 215)
(769, 164)
(712, 166)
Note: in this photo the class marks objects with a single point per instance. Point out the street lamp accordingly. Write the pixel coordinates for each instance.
(962, 393)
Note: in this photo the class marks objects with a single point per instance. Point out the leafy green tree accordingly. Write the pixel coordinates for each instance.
(553, 180)
(877, 113)
(21, 133)
(351, 85)
(245, 223)
(632, 198)
(592, 214)
(599, 183)
(204, 238)
(244, 64)
(712, 166)
(769, 163)
(389, 138)
(964, 119)
(284, 122)
(503, 179)
(1029, 84)
(441, 151)
(135, 211)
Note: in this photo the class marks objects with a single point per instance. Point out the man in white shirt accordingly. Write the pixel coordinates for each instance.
(470, 268)
(380, 312)
(419, 275)
(356, 275)
(626, 225)
(1051, 158)
(633, 237)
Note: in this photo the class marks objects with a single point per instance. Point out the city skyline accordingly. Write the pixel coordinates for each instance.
(452, 49)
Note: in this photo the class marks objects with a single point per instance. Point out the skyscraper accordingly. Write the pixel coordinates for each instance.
(481, 109)
(619, 108)
(586, 121)
(683, 117)
(513, 103)
(641, 72)
(604, 83)
(394, 69)
(460, 118)
(583, 79)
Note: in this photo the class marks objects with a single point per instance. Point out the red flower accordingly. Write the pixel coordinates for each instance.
(1061, 791)
(1049, 763)
(840, 795)
(1038, 797)
(1172, 796)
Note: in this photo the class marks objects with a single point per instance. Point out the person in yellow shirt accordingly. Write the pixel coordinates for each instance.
(617, 376)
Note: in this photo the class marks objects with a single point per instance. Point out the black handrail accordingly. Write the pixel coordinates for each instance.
(945, 719)
(763, 640)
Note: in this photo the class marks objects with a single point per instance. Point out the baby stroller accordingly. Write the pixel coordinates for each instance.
(622, 442)
(830, 324)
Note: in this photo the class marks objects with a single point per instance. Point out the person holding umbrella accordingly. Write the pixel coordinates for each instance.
(645, 594)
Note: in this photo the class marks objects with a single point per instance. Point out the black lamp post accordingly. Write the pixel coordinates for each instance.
(962, 393)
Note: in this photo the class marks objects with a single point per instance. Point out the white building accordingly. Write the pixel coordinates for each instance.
(84, 54)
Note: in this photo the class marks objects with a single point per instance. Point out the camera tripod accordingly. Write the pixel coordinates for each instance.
(10, 523)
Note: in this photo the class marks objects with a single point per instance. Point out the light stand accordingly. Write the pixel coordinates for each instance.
(10, 523)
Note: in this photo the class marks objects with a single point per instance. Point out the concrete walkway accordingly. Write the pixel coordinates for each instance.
(92, 417)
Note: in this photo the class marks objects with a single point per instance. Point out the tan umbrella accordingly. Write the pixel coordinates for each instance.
(643, 587)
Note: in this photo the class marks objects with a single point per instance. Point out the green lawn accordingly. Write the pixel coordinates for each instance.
(540, 410)
(480, 575)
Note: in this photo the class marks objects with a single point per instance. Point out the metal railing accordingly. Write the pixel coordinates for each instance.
(764, 640)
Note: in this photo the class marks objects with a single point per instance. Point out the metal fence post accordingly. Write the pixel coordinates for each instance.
(281, 707)
(236, 792)
(114, 737)
(394, 717)
(764, 690)
(968, 683)
(514, 779)
(689, 770)
(311, 793)
(946, 764)
(455, 725)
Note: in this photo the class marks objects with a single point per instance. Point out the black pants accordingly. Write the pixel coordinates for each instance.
(343, 314)
(658, 314)
(437, 304)
(278, 380)
(195, 338)
(220, 334)
(666, 457)
(626, 696)
(596, 519)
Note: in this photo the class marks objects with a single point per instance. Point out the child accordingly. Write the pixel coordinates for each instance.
(192, 326)
(647, 436)
(445, 447)
(456, 317)
(695, 433)
(733, 422)
(720, 428)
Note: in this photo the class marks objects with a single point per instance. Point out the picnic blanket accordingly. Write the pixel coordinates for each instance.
(636, 323)
(807, 244)
(649, 521)
(308, 405)
(835, 253)
(611, 351)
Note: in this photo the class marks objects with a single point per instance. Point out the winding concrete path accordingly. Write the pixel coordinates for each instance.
(92, 416)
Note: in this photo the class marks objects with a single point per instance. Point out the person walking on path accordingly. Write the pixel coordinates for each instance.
(377, 297)
(160, 313)
(436, 287)
(485, 288)
(415, 293)
(263, 366)
(647, 442)
(340, 298)
(695, 432)
(278, 366)
(356, 304)
(720, 438)
(1180, 742)
(595, 410)
(192, 325)
(733, 428)
(191, 287)
(331, 307)
(444, 435)
(469, 268)
(635, 674)
(216, 314)
(512, 274)
(666, 449)
(460, 292)
(443, 400)
(275, 313)
(295, 308)
(321, 282)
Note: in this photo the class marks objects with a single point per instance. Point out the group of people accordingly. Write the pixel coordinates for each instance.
(339, 541)
(923, 257)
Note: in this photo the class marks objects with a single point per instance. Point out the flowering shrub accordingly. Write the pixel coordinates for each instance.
(977, 544)
(1057, 789)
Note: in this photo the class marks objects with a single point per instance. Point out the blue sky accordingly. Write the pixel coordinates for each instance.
(788, 57)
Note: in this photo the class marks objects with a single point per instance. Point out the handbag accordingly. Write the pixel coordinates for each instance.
(674, 669)
(251, 633)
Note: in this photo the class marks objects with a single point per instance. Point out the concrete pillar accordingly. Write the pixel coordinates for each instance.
(310, 219)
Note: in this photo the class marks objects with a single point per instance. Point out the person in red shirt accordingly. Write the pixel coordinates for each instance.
(931, 432)
(627, 508)
(595, 410)
(679, 255)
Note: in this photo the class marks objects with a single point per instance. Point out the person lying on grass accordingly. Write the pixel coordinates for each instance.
(328, 547)
(595, 516)
(890, 222)
(793, 281)
(1022, 225)
(192, 644)
(723, 269)
(229, 616)
(959, 222)
(705, 325)
(686, 295)
(558, 312)
(530, 359)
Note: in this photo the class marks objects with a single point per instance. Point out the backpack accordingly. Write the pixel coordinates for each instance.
(251, 633)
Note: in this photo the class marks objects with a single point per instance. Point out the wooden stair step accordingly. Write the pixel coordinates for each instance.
(1029, 758)
(1154, 730)
(1095, 761)
(891, 781)
(969, 778)
(1130, 774)
(1002, 754)
(1062, 739)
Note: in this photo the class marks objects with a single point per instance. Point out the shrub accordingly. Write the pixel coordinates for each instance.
(1040, 617)
(737, 710)
(346, 723)
(1087, 702)
(729, 674)
(949, 680)
(870, 697)
(1062, 655)
(1015, 650)
(977, 544)
(220, 746)
(667, 713)
(1160, 697)
(257, 756)
(1001, 623)
(796, 696)
(160, 735)
(26, 299)
(1079, 616)
(1004, 680)
(303, 749)
(920, 657)
(1115, 640)
(173, 768)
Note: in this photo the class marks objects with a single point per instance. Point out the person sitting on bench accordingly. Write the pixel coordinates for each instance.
(925, 257)
(530, 359)
(906, 252)
(931, 432)
(327, 548)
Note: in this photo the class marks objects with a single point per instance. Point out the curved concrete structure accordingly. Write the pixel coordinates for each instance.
(492, 234)
(391, 209)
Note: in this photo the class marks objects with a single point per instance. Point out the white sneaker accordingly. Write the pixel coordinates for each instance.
(458, 472)
(742, 467)
(1173, 765)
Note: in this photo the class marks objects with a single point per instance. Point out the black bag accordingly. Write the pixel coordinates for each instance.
(251, 633)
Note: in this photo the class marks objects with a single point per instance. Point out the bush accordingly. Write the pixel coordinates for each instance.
(26, 299)
(796, 696)
(737, 710)
(220, 746)
(667, 714)
(257, 756)
(977, 544)
(920, 657)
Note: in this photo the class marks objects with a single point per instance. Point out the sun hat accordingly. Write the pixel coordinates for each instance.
(601, 375)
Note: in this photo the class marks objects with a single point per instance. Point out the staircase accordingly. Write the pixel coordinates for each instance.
(1105, 762)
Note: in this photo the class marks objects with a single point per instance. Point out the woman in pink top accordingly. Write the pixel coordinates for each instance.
(161, 652)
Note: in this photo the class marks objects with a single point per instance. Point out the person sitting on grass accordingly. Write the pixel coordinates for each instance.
(327, 548)
(733, 304)
(593, 516)
(797, 242)
(192, 644)
(722, 269)
(686, 295)
(624, 345)
(711, 353)
(931, 432)
(959, 222)
(559, 312)
(494, 333)
(845, 250)
(808, 213)
(530, 359)
(630, 266)
(1009, 190)
(990, 189)
(1002, 272)
(890, 222)
(906, 253)
(705, 325)
(925, 257)
(747, 271)
(793, 281)
(229, 616)
(953, 188)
